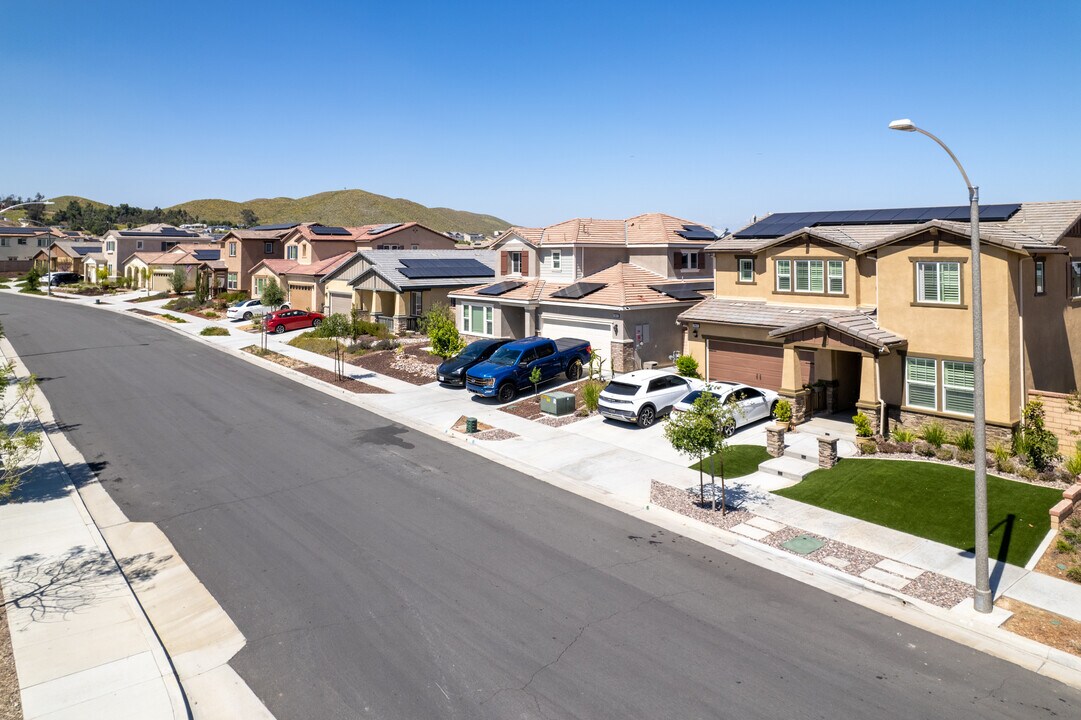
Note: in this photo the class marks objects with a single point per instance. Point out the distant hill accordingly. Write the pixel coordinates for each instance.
(338, 207)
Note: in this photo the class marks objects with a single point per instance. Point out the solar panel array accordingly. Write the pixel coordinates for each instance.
(281, 226)
(678, 291)
(86, 249)
(780, 224)
(578, 290)
(328, 230)
(697, 232)
(500, 288)
(383, 228)
(22, 230)
(214, 254)
(419, 268)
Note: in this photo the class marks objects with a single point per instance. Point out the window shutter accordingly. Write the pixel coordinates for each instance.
(929, 282)
(504, 262)
(816, 276)
(677, 260)
(950, 282)
(701, 260)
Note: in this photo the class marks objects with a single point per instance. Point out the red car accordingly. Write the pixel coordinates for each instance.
(281, 320)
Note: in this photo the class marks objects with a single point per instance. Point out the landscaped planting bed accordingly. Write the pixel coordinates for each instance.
(413, 364)
(1042, 626)
(933, 501)
(1062, 559)
(318, 373)
(529, 407)
(484, 431)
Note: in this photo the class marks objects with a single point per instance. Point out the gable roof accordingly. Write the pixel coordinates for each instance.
(280, 266)
(388, 264)
(640, 230)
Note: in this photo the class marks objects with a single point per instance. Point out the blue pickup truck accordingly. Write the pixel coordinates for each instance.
(509, 368)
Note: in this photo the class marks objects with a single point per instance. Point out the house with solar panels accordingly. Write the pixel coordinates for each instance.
(313, 250)
(396, 287)
(19, 245)
(244, 248)
(618, 284)
(191, 258)
(67, 255)
(158, 238)
(870, 311)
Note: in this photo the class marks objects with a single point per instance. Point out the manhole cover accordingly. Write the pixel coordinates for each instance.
(803, 544)
(1060, 566)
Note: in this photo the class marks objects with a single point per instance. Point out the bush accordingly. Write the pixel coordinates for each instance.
(924, 448)
(888, 448)
(1001, 453)
(386, 344)
(1072, 465)
(312, 342)
(965, 456)
(173, 318)
(360, 347)
(1071, 537)
(1061, 546)
(904, 447)
(783, 412)
(1074, 574)
(211, 314)
(863, 425)
(272, 295)
(214, 331)
(902, 435)
(333, 326)
(1008, 466)
(1028, 473)
(867, 447)
(965, 440)
(182, 304)
(934, 434)
(232, 298)
(943, 454)
(1034, 441)
(687, 366)
(591, 394)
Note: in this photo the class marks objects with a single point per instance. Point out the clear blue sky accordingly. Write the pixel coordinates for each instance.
(540, 111)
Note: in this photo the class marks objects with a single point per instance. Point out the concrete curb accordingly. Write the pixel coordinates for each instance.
(994, 641)
(44, 414)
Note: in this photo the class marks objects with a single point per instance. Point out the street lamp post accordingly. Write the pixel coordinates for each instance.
(982, 601)
(49, 262)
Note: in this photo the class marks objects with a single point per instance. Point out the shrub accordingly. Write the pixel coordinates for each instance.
(311, 342)
(904, 447)
(887, 447)
(32, 280)
(442, 330)
(867, 447)
(272, 295)
(1074, 522)
(333, 326)
(1074, 574)
(361, 346)
(903, 435)
(687, 366)
(863, 425)
(965, 456)
(1001, 453)
(231, 298)
(1008, 466)
(181, 304)
(965, 440)
(1028, 473)
(591, 394)
(386, 344)
(1071, 537)
(783, 411)
(943, 454)
(174, 318)
(924, 448)
(934, 434)
(1037, 443)
(211, 314)
(1061, 546)
(213, 330)
(1073, 464)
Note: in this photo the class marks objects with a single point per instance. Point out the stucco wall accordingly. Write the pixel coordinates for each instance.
(858, 275)
(1060, 420)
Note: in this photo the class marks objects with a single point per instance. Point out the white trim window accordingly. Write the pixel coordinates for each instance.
(291, 252)
(231, 281)
(746, 270)
(835, 277)
(938, 283)
(110, 247)
(232, 249)
(515, 260)
(138, 244)
(810, 276)
(416, 303)
(921, 383)
(783, 270)
(268, 248)
(557, 260)
(1075, 278)
(477, 319)
(690, 259)
(958, 383)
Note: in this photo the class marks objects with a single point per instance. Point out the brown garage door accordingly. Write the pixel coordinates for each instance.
(340, 303)
(300, 297)
(756, 365)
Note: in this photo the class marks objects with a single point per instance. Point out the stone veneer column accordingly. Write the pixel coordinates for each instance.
(622, 357)
(827, 452)
(775, 439)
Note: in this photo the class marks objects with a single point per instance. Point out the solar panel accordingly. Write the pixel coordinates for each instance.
(383, 228)
(578, 290)
(214, 254)
(679, 292)
(417, 268)
(282, 226)
(501, 288)
(780, 224)
(328, 230)
(84, 249)
(696, 232)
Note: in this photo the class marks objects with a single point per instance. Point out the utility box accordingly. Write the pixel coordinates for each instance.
(557, 403)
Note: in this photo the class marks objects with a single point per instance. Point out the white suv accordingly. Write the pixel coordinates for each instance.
(245, 309)
(641, 396)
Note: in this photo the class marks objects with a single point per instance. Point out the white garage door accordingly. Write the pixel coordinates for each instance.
(340, 303)
(598, 335)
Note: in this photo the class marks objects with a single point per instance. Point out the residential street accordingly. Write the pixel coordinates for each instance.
(380, 572)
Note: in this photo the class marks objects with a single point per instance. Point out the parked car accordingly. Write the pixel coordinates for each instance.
(62, 278)
(247, 309)
(509, 368)
(644, 395)
(281, 320)
(750, 404)
(453, 370)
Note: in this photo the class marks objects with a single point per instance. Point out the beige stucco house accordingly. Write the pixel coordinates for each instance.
(243, 249)
(119, 245)
(870, 311)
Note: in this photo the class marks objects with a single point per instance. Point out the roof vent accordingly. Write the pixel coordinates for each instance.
(794, 312)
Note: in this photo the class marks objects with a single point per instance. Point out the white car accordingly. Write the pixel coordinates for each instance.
(643, 395)
(749, 404)
(246, 309)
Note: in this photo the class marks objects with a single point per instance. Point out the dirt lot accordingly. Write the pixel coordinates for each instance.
(413, 365)
(10, 700)
(1042, 626)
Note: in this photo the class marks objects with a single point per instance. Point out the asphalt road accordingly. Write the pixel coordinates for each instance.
(376, 571)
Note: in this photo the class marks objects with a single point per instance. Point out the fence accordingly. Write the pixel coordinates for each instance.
(15, 266)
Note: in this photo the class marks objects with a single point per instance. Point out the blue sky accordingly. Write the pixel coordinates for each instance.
(537, 112)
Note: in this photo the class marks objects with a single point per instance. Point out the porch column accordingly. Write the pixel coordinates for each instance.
(792, 386)
(868, 403)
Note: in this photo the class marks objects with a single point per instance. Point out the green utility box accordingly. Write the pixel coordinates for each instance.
(557, 403)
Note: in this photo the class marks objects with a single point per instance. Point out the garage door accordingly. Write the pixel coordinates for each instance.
(755, 365)
(300, 297)
(340, 303)
(160, 282)
(598, 335)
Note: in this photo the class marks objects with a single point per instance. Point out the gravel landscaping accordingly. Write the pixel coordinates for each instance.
(1042, 626)
(348, 383)
(529, 408)
(10, 699)
(484, 431)
(412, 365)
(1062, 559)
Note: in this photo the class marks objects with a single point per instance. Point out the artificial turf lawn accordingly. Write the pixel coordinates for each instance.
(933, 501)
(739, 460)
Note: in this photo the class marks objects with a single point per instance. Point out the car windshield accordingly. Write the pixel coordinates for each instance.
(505, 356)
(473, 350)
(618, 388)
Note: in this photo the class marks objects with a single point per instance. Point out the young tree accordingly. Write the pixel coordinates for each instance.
(33, 279)
(102, 274)
(144, 273)
(178, 280)
(272, 296)
(702, 433)
(202, 286)
(19, 442)
(535, 378)
(441, 329)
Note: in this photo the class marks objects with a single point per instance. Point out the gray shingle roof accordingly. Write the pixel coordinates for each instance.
(387, 264)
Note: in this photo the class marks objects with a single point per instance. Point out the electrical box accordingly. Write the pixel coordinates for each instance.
(557, 403)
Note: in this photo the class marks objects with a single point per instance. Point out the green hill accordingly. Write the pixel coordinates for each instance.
(345, 207)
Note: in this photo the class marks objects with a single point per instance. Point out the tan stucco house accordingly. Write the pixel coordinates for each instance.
(870, 311)
(154, 238)
(618, 284)
(243, 249)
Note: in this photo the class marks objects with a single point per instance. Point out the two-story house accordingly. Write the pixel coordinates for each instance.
(19, 245)
(871, 311)
(119, 245)
(243, 249)
(618, 284)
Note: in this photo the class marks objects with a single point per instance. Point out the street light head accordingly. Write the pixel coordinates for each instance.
(904, 125)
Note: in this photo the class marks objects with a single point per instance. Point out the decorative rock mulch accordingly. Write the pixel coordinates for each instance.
(484, 431)
(350, 384)
(529, 408)
(928, 586)
(412, 365)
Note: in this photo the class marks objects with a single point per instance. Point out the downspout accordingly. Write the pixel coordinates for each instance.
(1021, 327)
(878, 391)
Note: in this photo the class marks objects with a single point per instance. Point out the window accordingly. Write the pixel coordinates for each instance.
(836, 277)
(304, 250)
(1075, 278)
(746, 270)
(138, 244)
(291, 252)
(957, 384)
(809, 276)
(268, 248)
(515, 262)
(920, 383)
(260, 285)
(43, 242)
(688, 260)
(110, 246)
(4, 242)
(232, 249)
(231, 281)
(783, 270)
(1039, 268)
(22, 241)
(389, 247)
(641, 334)
(477, 319)
(416, 304)
(546, 350)
(557, 260)
(938, 282)
(414, 246)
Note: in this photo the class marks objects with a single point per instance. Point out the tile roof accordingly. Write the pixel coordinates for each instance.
(647, 229)
(863, 326)
(727, 311)
(281, 266)
(387, 263)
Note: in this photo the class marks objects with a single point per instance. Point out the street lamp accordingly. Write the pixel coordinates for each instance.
(982, 601)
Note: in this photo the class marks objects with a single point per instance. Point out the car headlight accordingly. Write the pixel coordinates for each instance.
(459, 371)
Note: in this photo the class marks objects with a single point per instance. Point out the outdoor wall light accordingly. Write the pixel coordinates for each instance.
(694, 329)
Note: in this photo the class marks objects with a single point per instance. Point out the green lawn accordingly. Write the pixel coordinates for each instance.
(739, 460)
(933, 501)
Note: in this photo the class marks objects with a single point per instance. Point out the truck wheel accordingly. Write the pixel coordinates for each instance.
(574, 370)
(646, 416)
(506, 393)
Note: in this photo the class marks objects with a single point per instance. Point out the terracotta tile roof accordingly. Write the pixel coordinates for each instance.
(863, 326)
(280, 266)
(726, 311)
(647, 229)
